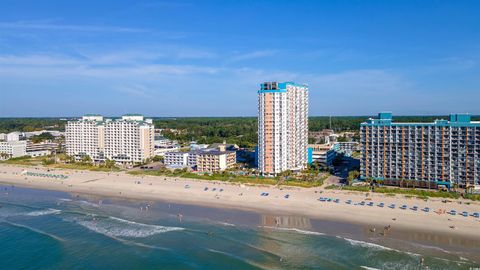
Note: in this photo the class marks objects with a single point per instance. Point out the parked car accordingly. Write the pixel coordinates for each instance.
(403, 207)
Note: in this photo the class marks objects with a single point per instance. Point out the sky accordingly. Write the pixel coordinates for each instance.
(208, 58)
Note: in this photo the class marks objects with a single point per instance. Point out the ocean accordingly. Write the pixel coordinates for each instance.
(57, 230)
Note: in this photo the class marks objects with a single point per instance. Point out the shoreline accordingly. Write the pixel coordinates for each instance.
(302, 201)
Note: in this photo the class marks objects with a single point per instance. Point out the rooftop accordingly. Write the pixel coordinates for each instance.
(278, 86)
(455, 119)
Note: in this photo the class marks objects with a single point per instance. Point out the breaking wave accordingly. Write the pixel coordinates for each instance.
(43, 212)
(294, 230)
(117, 227)
(373, 246)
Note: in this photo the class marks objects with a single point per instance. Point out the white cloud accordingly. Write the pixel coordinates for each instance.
(52, 66)
(42, 25)
(253, 55)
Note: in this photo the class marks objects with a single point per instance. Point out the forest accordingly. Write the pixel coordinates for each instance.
(238, 130)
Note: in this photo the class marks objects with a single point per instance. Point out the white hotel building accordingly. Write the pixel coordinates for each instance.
(282, 127)
(129, 139)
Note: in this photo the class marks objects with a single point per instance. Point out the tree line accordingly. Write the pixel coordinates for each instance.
(237, 130)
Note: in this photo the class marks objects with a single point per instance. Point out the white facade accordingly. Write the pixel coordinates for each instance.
(282, 127)
(39, 153)
(13, 149)
(13, 136)
(3, 137)
(82, 137)
(130, 139)
(176, 159)
(162, 151)
(126, 140)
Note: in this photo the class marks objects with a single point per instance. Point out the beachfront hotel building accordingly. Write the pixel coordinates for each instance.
(282, 127)
(13, 149)
(127, 140)
(209, 160)
(215, 160)
(444, 152)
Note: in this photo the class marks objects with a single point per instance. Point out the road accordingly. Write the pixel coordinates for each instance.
(341, 171)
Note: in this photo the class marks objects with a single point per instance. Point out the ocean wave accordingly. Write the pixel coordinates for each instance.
(366, 244)
(462, 260)
(89, 203)
(227, 224)
(369, 268)
(374, 246)
(43, 212)
(117, 227)
(293, 230)
(35, 231)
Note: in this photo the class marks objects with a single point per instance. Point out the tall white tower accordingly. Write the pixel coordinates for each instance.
(282, 127)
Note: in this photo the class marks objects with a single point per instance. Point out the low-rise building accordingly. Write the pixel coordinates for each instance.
(13, 149)
(54, 133)
(215, 161)
(163, 151)
(162, 142)
(14, 136)
(346, 148)
(321, 153)
(195, 146)
(41, 149)
(192, 159)
(176, 159)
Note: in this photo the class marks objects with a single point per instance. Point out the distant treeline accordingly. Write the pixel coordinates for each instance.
(238, 130)
(30, 124)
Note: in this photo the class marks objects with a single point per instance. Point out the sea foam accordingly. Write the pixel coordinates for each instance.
(117, 227)
(374, 246)
(49, 211)
(294, 230)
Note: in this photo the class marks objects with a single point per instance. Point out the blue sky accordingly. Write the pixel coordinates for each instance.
(206, 58)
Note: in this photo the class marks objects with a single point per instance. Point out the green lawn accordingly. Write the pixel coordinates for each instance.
(419, 193)
(231, 178)
(24, 161)
(79, 166)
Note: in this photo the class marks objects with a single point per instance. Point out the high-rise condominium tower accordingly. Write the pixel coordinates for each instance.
(282, 127)
(422, 154)
(129, 139)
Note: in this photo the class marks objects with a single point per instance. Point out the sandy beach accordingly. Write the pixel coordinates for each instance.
(301, 201)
